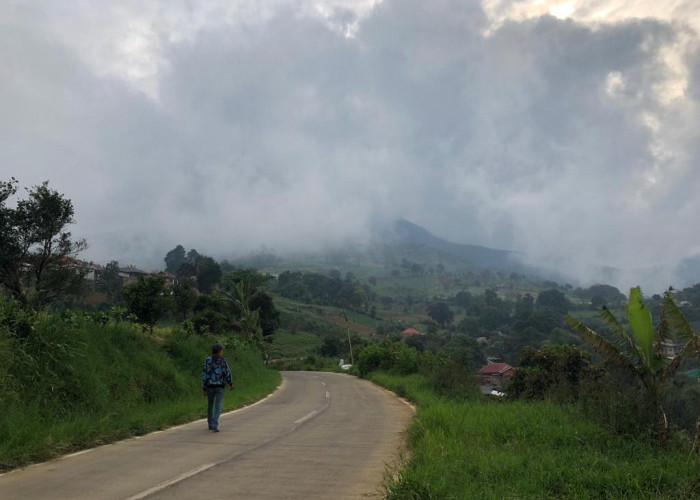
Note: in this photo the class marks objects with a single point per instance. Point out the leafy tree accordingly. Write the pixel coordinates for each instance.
(330, 347)
(554, 371)
(174, 259)
(212, 316)
(463, 299)
(146, 300)
(111, 282)
(208, 273)
(440, 312)
(524, 305)
(192, 256)
(553, 300)
(470, 326)
(601, 295)
(491, 297)
(37, 252)
(259, 301)
(268, 315)
(184, 297)
(638, 349)
(241, 290)
(187, 270)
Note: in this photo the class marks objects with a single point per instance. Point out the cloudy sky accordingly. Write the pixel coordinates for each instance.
(566, 130)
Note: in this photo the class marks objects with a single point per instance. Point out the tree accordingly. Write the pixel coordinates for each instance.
(111, 282)
(187, 270)
(174, 259)
(268, 315)
(463, 299)
(208, 273)
(184, 297)
(192, 256)
(146, 300)
(37, 253)
(330, 347)
(553, 300)
(440, 312)
(240, 289)
(524, 305)
(491, 297)
(555, 371)
(638, 349)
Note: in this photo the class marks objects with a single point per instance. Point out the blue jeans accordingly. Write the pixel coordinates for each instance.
(215, 396)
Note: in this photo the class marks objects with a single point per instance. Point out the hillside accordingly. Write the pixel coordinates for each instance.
(407, 235)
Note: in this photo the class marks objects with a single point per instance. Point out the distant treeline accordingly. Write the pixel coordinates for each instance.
(332, 290)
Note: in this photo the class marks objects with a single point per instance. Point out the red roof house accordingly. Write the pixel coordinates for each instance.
(502, 369)
(494, 373)
(409, 332)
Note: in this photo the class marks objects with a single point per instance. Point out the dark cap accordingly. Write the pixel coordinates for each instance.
(216, 348)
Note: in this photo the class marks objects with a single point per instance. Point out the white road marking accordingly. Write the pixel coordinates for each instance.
(323, 384)
(328, 395)
(306, 417)
(170, 482)
(77, 453)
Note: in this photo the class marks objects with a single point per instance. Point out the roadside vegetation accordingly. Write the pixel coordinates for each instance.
(473, 447)
(566, 428)
(69, 383)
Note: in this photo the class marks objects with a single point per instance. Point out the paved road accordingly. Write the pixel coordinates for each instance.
(320, 436)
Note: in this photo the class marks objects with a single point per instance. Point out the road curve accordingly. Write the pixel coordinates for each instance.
(320, 436)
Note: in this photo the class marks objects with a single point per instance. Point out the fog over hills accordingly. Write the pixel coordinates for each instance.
(565, 132)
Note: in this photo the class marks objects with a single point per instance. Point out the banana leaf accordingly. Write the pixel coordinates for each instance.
(639, 317)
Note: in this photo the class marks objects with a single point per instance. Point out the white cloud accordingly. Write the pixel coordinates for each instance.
(230, 125)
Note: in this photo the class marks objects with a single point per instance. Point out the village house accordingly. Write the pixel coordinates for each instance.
(130, 274)
(170, 278)
(409, 332)
(493, 376)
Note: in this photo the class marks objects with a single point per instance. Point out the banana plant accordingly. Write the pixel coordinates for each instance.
(638, 348)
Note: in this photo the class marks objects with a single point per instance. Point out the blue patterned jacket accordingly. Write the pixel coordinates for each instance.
(215, 372)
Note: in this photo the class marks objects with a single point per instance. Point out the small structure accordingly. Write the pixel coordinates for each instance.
(670, 349)
(170, 278)
(130, 274)
(409, 332)
(493, 374)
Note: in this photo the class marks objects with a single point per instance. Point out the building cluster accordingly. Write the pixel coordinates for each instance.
(127, 275)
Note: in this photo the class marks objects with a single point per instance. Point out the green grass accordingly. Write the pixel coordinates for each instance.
(286, 344)
(495, 450)
(71, 385)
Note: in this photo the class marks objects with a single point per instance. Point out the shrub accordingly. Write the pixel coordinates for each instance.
(554, 372)
(389, 356)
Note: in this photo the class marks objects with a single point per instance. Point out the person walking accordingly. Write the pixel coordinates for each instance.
(215, 375)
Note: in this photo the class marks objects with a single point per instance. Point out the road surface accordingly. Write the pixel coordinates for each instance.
(320, 436)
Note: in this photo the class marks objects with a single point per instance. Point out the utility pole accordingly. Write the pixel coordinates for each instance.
(347, 323)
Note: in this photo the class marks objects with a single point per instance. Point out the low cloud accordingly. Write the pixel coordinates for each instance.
(292, 127)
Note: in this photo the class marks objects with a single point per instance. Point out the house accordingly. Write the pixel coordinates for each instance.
(670, 349)
(409, 332)
(170, 278)
(94, 272)
(130, 274)
(493, 374)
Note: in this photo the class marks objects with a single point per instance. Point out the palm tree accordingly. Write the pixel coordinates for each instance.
(240, 294)
(639, 348)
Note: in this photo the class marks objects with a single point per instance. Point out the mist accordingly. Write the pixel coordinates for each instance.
(570, 137)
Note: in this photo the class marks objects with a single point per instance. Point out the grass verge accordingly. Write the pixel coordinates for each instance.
(513, 450)
(73, 385)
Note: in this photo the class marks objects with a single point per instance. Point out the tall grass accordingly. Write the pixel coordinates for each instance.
(485, 449)
(69, 384)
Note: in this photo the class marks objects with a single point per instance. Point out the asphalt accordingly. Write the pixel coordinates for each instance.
(319, 436)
